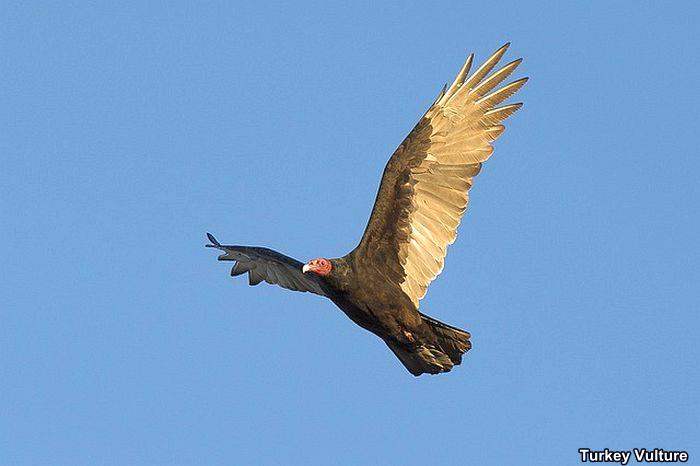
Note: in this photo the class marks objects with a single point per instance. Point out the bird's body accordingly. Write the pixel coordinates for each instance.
(384, 309)
(422, 197)
(374, 304)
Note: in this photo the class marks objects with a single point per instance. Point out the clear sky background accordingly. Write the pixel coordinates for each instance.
(129, 130)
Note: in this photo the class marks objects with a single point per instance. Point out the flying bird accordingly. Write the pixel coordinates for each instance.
(422, 196)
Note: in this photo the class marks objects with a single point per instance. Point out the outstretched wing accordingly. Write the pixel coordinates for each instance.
(264, 264)
(424, 189)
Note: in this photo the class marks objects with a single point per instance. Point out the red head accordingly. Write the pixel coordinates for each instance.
(318, 266)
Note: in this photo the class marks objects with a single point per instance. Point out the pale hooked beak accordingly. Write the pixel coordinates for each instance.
(306, 268)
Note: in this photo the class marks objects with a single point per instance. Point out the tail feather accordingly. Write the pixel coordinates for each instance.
(440, 355)
(422, 359)
(452, 340)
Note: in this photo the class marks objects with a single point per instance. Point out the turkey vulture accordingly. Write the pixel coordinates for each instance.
(422, 196)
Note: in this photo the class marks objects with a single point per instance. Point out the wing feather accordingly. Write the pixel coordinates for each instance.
(496, 78)
(425, 186)
(502, 94)
(263, 264)
(254, 277)
(484, 69)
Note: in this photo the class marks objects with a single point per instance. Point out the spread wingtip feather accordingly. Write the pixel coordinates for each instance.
(214, 242)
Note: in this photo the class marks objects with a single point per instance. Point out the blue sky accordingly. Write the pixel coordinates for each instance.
(129, 130)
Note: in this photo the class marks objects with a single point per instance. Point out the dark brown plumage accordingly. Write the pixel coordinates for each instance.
(422, 196)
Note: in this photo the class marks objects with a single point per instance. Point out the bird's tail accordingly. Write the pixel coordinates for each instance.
(439, 355)
(452, 340)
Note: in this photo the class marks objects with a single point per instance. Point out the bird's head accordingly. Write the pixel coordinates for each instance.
(318, 266)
